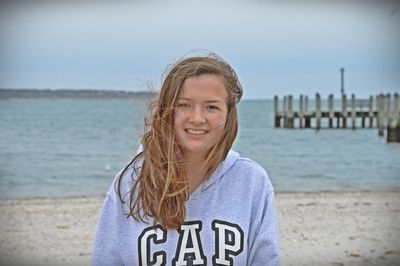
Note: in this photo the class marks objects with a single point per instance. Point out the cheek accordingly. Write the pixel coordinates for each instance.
(179, 117)
(219, 121)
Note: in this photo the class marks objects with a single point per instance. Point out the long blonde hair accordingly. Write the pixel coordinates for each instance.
(161, 188)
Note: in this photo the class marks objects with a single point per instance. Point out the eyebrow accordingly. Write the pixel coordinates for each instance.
(208, 101)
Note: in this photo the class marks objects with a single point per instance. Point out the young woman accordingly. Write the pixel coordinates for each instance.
(187, 198)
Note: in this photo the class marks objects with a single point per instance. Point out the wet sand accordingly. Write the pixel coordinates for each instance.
(360, 228)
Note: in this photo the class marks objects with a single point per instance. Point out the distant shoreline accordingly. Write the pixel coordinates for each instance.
(6, 94)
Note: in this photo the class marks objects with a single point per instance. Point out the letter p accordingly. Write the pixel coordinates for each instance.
(228, 242)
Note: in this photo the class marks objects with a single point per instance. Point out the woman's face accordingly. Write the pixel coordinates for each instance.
(201, 113)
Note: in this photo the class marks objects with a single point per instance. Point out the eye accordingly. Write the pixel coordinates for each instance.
(183, 105)
(212, 107)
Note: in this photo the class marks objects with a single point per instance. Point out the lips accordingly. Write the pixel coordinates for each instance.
(193, 131)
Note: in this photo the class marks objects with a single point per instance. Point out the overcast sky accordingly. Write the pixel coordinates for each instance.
(276, 47)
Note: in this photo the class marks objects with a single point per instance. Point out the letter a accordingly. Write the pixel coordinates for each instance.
(189, 247)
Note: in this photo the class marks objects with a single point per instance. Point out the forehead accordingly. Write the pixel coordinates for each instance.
(205, 86)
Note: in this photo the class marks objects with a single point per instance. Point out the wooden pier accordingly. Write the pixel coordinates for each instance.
(382, 112)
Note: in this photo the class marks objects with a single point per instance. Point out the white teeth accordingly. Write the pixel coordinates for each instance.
(196, 131)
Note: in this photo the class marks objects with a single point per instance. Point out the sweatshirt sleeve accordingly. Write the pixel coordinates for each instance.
(105, 246)
(265, 244)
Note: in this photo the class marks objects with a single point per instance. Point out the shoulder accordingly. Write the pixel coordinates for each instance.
(125, 179)
(237, 163)
(252, 174)
(249, 165)
(250, 168)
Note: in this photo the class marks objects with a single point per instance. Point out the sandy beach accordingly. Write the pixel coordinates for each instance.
(315, 228)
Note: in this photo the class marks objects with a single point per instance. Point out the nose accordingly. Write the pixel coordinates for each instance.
(196, 116)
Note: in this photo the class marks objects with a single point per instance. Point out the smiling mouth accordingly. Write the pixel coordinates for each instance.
(193, 131)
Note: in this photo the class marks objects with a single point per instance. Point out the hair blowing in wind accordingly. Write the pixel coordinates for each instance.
(161, 185)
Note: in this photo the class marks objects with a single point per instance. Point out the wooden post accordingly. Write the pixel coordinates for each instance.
(371, 111)
(380, 108)
(397, 103)
(301, 113)
(285, 111)
(386, 109)
(306, 104)
(307, 120)
(331, 111)
(337, 119)
(290, 119)
(277, 115)
(393, 117)
(353, 111)
(342, 80)
(391, 122)
(344, 110)
(361, 108)
(318, 110)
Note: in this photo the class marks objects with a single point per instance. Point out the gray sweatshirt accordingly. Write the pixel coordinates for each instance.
(230, 220)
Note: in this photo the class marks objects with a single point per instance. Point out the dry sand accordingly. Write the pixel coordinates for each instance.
(340, 228)
(315, 229)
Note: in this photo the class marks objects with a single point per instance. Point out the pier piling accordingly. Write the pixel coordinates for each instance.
(371, 111)
(301, 112)
(353, 111)
(344, 111)
(277, 115)
(290, 114)
(331, 109)
(393, 119)
(380, 106)
(307, 117)
(318, 110)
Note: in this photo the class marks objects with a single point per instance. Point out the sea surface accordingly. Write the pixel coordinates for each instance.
(74, 147)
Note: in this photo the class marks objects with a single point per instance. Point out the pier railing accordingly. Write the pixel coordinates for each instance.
(381, 112)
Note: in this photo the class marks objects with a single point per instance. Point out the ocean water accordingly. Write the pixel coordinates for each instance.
(65, 147)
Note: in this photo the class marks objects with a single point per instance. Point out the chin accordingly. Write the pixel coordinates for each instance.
(196, 150)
